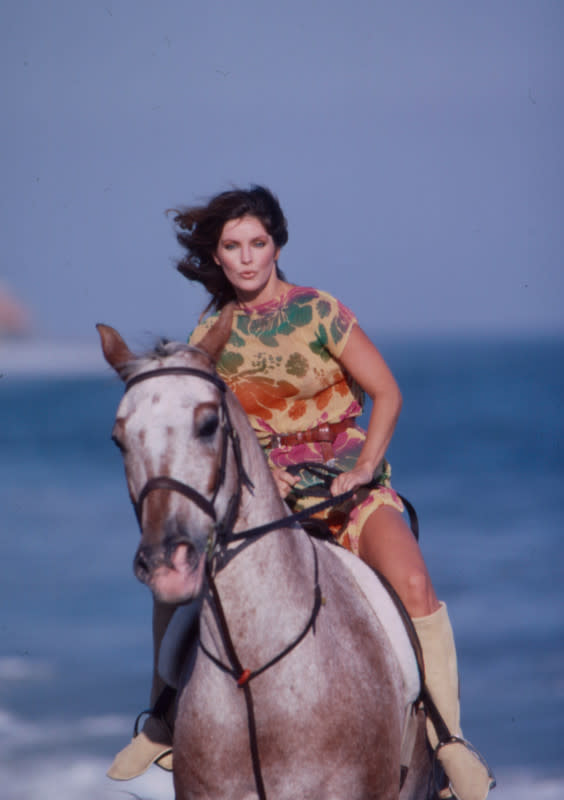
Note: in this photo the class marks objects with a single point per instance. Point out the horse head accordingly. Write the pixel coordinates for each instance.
(182, 466)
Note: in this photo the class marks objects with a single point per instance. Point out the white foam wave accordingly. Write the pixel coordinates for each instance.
(17, 668)
(81, 777)
(50, 759)
(78, 778)
(521, 785)
(18, 735)
(41, 358)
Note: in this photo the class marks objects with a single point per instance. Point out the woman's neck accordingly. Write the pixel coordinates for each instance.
(274, 290)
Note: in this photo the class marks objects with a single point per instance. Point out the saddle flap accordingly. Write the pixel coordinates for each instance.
(180, 639)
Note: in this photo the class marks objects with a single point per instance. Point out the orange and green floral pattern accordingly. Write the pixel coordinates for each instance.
(282, 363)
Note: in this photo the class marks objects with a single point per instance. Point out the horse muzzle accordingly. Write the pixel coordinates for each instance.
(173, 571)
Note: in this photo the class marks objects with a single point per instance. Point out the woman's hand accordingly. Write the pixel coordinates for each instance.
(359, 476)
(284, 481)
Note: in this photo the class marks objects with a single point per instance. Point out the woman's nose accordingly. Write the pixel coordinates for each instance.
(246, 254)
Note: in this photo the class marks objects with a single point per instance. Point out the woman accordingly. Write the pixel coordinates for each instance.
(300, 364)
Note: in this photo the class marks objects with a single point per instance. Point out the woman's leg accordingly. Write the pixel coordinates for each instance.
(387, 545)
(153, 743)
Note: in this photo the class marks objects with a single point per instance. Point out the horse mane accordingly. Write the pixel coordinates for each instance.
(163, 348)
(209, 347)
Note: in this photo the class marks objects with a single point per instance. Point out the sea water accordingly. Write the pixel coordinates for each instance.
(478, 450)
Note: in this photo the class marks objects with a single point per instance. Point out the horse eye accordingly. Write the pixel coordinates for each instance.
(206, 427)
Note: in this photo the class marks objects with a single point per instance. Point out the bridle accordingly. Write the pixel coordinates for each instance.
(221, 528)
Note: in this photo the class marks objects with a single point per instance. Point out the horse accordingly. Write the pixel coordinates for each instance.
(291, 688)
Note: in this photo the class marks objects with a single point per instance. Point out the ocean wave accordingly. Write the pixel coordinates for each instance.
(54, 759)
(41, 358)
(19, 735)
(78, 777)
(17, 668)
(82, 777)
(521, 785)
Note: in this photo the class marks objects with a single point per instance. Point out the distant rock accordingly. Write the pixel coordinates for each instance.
(14, 318)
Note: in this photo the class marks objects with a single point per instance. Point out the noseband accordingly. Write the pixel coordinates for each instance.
(224, 526)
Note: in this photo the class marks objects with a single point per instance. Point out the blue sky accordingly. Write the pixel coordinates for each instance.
(416, 148)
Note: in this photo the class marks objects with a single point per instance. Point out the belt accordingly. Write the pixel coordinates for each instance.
(326, 433)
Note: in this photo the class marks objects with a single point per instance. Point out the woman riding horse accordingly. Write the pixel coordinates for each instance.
(300, 364)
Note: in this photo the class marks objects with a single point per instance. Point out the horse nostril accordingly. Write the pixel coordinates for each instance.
(141, 563)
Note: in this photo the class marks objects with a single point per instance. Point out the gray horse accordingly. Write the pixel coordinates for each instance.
(293, 688)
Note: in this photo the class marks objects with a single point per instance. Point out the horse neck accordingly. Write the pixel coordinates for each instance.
(262, 503)
(264, 575)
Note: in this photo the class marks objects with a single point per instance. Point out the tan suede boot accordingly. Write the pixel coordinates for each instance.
(153, 744)
(468, 774)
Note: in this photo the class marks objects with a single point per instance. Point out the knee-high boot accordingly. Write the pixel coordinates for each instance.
(468, 774)
(152, 744)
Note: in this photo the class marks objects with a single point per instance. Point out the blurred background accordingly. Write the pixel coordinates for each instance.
(416, 151)
(415, 148)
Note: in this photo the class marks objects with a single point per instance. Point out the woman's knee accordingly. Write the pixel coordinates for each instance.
(387, 545)
(419, 595)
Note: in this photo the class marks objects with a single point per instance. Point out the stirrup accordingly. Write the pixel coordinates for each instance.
(164, 761)
(136, 758)
(138, 718)
(439, 772)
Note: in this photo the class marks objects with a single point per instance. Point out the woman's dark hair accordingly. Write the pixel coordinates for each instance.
(198, 230)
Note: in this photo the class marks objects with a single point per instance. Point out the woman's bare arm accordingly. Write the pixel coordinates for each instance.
(364, 363)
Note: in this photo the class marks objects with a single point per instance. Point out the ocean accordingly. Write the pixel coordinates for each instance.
(478, 451)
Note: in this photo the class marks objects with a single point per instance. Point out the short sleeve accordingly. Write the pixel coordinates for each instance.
(335, 323)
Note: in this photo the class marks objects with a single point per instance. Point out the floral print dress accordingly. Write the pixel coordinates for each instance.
(282, 363)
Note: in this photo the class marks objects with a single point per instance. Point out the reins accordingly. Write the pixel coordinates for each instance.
(326, 474)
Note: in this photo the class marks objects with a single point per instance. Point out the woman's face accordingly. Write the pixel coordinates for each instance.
(247, 255)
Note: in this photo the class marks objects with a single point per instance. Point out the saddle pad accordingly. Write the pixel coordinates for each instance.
(385, 609)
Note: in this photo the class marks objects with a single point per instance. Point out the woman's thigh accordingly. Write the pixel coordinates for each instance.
(388, 546)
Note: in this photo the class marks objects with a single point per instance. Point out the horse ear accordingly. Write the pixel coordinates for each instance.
(216, 338)
(115, 350)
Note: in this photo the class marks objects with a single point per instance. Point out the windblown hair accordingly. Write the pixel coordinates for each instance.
(198, 230)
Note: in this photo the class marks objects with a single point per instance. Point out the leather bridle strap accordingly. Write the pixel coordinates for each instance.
(171, 484)
(157, 373)
(165, 482)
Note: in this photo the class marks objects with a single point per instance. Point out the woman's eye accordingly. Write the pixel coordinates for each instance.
(229, 246)
(260, 243)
